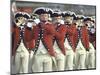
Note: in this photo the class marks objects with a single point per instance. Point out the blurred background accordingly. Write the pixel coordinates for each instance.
(87, 10)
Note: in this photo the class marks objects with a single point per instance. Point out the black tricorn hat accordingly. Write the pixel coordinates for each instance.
(22, 14)
(87, 19)
(73, 15)
(75, 18)
(18, 14)
(56, 13)
(43, 10)
(26, 15)
(68, 13)
(93, 21)
(80, 17)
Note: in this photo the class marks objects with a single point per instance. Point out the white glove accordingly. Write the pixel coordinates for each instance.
(61, 21)
(36, 21)
(29, 24)
(92, 30)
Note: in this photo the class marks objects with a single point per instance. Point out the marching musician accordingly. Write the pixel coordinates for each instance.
(44, 33)
(69, 39)
(59, 39)
(23, 42)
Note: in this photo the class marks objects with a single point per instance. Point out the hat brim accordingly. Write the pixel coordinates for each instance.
(65, 15)
(18, 15)
(26, 16)
(79, 18)
(56, 15)
(87, 19)
(42, 11)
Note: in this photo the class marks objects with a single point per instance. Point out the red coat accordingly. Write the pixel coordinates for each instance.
(27, 38)
(71, 35)
(46, 36)
(60, 37)
(84, 37)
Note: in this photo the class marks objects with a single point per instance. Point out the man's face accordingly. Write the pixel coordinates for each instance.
(68, 19)
(44, 17)
(57, 19)
(79, 22)
(88, 23)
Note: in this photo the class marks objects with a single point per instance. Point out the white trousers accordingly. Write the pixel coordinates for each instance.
(69, 59)
(59, 59)
(31, 56)
(21, 59)
(90, 58)
(80, 57)
(42, 63)
(60, 62)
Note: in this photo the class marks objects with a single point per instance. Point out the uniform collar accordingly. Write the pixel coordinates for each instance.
(67, 24)
(44, 22)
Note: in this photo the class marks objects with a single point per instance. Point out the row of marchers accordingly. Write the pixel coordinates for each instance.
(52, 45)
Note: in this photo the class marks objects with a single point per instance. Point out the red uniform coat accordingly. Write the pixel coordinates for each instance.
(71, 35)
(27, 38)
(62, 30)
(45, 32)
(60, 36)
(84, 37)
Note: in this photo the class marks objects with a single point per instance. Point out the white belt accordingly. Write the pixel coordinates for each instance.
(21, 47)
